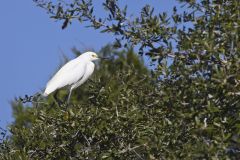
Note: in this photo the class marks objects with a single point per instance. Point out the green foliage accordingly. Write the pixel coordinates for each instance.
(186, 108)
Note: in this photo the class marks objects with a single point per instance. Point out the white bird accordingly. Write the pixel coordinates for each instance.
(73, 74)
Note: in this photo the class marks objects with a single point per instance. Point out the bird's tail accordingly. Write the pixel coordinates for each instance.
(44, 94)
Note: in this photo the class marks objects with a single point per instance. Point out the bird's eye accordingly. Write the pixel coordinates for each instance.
(94, 56)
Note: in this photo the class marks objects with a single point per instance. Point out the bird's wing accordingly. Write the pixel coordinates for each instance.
(88, 72)
(69, 74)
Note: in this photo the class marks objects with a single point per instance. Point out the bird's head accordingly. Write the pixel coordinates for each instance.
(92, 56)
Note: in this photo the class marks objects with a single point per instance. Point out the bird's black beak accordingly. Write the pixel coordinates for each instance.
(104, 57)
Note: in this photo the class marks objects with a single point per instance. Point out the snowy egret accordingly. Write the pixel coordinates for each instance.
(73, 74)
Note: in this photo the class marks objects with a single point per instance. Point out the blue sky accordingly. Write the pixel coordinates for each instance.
(32, 46)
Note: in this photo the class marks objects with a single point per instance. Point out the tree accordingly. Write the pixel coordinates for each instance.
(187, 107)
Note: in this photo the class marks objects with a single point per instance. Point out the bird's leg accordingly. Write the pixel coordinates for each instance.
(69, 95)
(59, 102)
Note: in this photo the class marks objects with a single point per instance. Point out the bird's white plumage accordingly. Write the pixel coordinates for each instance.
(73, 73)
(88, 72)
